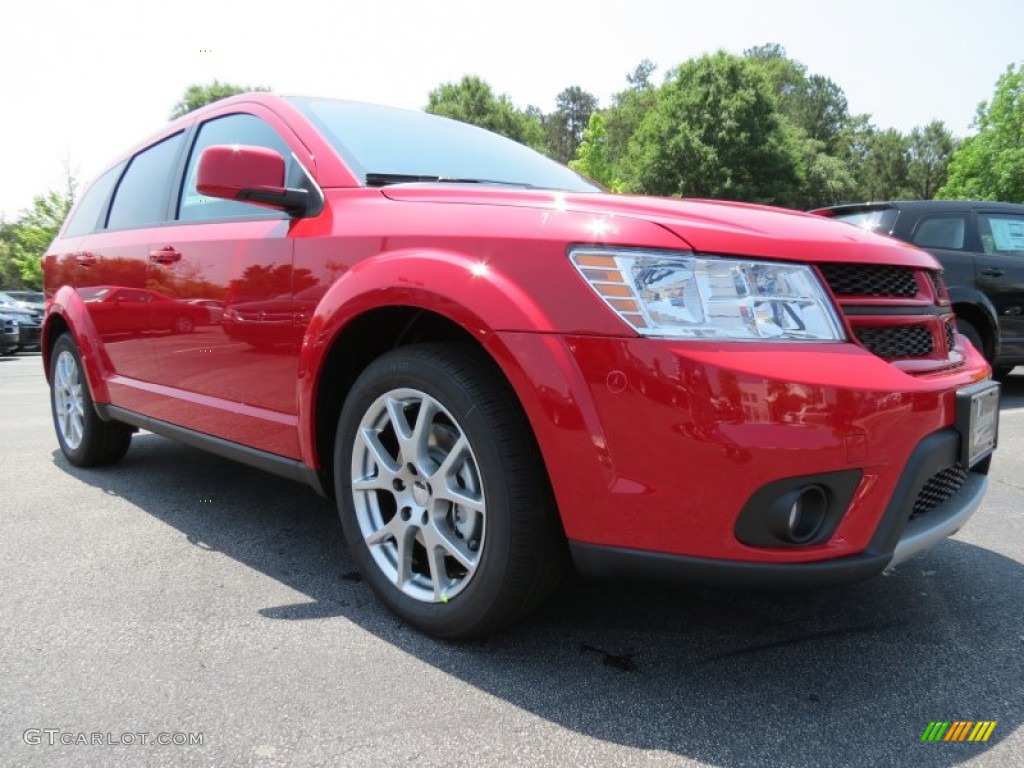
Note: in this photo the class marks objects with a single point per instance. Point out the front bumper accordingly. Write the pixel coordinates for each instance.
(654, 449)
(900, 535)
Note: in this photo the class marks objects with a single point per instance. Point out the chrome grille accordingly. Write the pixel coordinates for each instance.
(939, 488)
(896, 341)
(869, 280)
(950, 337)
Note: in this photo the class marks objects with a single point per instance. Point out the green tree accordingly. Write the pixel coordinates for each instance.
(26, 239)
(886, 170)
(10, 272)
(197, 96)
(715, 131)
(565, 126)
(816, 112)
(471, 100)
(931, 148)
(592, 154)
(629, 107)
(990, 165)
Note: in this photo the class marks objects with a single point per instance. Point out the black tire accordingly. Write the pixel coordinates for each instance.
(521, 553)
(1002, 371)
(88, 441)
(966, 328)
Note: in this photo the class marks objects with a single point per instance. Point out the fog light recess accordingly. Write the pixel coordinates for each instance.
(798, 516)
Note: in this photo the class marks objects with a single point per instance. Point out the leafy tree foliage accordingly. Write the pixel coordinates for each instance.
(715, 131)
(931, 149)
(197, 96)
(990, 165)
(565, 126)
(471, 100)
(592, 156)
(25, 240)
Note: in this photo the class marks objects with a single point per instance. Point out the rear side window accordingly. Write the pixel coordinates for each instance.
(945, 232)
(87, 216)
(246, 130)
(878, 220)
(141, 197)
(1001, 233)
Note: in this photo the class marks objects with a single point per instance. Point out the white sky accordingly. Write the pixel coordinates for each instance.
(87, 80)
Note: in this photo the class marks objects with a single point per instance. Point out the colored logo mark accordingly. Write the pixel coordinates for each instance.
(958, 730)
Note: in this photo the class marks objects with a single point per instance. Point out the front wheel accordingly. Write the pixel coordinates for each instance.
(85, 439)
(442, 494)
(967, 329)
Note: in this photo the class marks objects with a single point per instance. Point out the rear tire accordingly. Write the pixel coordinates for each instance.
(85, 439)
(442, 493)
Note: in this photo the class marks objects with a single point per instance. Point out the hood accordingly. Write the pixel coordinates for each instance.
(707, 226)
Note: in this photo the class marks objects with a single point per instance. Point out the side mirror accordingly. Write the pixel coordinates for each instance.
(251, 175)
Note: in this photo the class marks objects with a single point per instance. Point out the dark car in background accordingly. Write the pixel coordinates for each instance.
(8, 334)
(981, 248)
(29, 320)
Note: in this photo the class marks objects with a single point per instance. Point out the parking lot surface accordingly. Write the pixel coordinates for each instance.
(179, 597)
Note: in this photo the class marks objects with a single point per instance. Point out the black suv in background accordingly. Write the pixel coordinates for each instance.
(981, 248)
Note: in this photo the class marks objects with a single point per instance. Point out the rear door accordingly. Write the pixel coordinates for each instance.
(1000, 273)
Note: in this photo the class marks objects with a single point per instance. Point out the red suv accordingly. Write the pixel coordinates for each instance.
(496, 368)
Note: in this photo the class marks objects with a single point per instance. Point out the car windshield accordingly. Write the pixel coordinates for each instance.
(385, 145)
(26, 296)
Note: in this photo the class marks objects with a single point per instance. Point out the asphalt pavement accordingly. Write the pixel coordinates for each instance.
(181, 598)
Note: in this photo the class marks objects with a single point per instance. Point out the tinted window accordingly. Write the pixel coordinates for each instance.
(946, 232)
(384, 141)
(1001, 233)
(233, 129)
(141, 197)
(86, 217)
(878, 220)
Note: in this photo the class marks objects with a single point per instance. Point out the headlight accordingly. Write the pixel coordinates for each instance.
(680, 295)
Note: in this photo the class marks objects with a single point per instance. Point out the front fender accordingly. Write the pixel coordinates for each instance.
(478, 297)
(68, 308)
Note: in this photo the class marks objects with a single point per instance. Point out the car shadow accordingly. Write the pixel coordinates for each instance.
(835, 676)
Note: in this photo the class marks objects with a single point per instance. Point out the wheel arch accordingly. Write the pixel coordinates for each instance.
(68, 314)
(976, 309)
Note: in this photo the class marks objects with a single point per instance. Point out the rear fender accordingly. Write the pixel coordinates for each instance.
(69, 307)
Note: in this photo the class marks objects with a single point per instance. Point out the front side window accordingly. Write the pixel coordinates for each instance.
(245, 130)
(1001, 233)
(141, 197)
(945, 232)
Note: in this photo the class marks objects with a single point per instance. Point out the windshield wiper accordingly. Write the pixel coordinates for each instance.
(385, 179)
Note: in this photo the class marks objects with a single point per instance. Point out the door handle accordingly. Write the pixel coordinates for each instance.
(167, 255)
(85, 259)
(993, 272)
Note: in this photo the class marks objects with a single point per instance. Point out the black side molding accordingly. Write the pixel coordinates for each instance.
(268, 462)
(603, 562)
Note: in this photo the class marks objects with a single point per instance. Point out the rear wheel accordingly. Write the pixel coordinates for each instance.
(442, 494)
(85, 439)
(183, 324)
